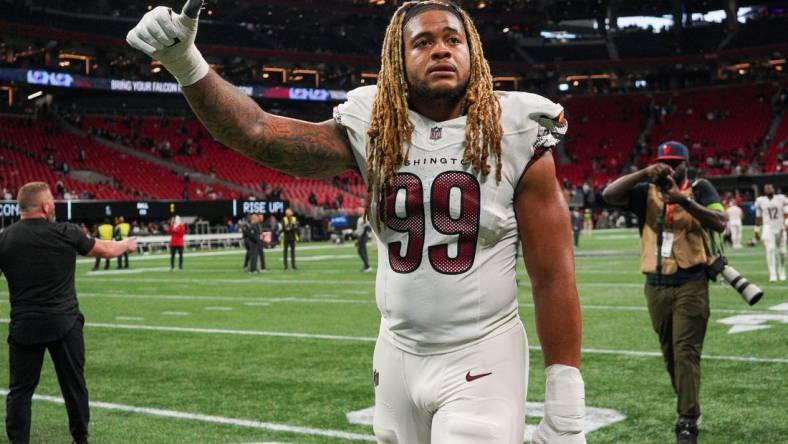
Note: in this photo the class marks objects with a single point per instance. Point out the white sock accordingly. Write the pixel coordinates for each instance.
(771, 262)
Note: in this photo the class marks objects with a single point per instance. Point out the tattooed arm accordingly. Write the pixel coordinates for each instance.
(292, 146)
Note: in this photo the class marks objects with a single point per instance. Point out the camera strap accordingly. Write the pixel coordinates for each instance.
(669, 214)
(660, 237)
(717, 249)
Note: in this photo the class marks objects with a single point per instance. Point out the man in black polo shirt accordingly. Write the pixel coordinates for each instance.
(38, 257)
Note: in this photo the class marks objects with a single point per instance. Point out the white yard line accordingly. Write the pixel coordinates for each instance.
(239, 252)
(644, 308)
(372, 339)
(256, 280)
(247, 423)
(221, 331)
(323, 299)
(176, 297)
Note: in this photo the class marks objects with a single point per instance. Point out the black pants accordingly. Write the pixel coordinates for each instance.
(362, 252)
(256, 252)
(290, 243)
(98, 262)
(261, 254)
(123, 260)
(174, 250)
(25, 362)
(247, 254)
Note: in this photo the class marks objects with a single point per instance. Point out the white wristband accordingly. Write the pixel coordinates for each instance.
(564, 407)
(189, 68)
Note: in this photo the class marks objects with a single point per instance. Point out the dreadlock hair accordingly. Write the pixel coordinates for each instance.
(390, 129)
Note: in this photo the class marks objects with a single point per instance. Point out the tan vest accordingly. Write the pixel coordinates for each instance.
(690, 242)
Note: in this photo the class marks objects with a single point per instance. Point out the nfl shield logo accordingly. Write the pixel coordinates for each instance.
(436, 133)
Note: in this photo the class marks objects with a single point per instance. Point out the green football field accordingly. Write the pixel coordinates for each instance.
(214, 355)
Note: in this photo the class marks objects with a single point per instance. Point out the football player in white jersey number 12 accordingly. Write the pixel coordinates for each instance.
(458, 174)
(770, 221)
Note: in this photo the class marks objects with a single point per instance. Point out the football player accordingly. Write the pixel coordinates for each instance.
(457, 174)
(770, 220)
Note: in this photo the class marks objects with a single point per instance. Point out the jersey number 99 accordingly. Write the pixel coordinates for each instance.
(465, 225)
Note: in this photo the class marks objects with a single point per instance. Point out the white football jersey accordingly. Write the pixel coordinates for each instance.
(734, 214)
(772, 211)
(447, 251)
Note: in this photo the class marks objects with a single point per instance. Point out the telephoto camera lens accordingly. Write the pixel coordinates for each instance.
(748, 291)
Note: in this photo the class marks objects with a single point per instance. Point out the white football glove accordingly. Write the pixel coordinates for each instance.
(169, 38)
(564, 407)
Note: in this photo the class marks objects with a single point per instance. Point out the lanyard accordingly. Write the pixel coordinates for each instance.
(669, 212)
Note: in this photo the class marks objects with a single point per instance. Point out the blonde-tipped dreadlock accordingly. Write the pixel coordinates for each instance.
(390, 129)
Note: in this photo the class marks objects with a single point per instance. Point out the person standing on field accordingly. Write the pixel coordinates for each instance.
(38, 258)
(177, 231)
(675, 216)
(289, 232)
(734, 213)
(457, 175)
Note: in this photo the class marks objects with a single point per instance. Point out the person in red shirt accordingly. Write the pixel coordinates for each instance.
(177, 230)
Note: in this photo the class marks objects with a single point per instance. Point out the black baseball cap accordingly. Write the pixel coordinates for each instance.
(672, 151)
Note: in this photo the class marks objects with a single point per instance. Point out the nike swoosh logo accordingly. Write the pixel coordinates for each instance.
(469, 377)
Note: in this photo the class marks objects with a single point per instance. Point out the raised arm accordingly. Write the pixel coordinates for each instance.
(617, 193)
(293, 146)
(110, 249)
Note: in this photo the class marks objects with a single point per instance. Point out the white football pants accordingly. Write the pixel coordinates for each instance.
(775, 243)
(735, 228)
(471, 396)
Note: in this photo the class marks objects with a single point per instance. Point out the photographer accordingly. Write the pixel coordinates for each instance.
(673, 216)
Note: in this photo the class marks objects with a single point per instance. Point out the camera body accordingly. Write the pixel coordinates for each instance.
(662, 183)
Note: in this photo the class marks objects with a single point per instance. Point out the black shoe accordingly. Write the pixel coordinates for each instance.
(686, 431)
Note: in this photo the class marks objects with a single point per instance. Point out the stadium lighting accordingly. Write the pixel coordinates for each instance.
(370, 77)
(505, 30)
(67, 57)
(10, 92)
(511, 81)
(300, 73)
(35, 95)
(271, 70)
(563, 87)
